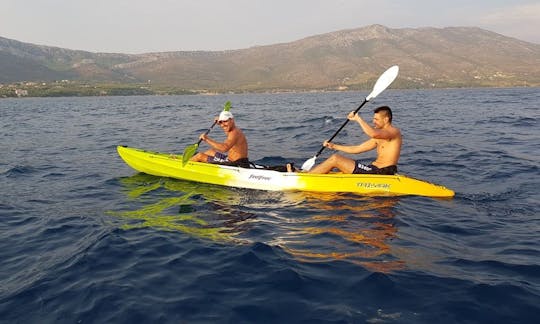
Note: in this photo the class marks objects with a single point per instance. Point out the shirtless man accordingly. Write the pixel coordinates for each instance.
(383, 136)
(233, 151)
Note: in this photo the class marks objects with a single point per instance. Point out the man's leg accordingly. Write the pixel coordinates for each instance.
(344, 164)
(203, 157)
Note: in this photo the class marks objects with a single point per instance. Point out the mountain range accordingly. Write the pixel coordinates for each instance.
(346, 59)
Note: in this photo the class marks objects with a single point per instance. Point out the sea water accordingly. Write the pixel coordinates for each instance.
(86, 239)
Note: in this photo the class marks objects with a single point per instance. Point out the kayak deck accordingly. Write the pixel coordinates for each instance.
(170, 165)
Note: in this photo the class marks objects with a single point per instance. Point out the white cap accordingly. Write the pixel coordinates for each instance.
(225, 115)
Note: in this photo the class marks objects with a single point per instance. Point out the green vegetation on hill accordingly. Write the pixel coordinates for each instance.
(83, 89)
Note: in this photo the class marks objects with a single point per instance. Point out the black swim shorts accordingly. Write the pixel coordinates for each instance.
(360, 168)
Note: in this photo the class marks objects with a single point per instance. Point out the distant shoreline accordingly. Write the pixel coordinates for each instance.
(81, 89)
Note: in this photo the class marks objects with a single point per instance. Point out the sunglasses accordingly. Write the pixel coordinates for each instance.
(223, 121)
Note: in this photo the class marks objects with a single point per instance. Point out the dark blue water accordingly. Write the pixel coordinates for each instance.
(85, 239)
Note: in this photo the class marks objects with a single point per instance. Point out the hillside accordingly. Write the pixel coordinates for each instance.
(347, 59)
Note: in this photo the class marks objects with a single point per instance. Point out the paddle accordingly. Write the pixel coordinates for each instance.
(192, 149)
(382, 83)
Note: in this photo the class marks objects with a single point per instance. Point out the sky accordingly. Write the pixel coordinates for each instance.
(143, 26)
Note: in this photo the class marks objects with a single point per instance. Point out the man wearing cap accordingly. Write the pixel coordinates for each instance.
(233, 151)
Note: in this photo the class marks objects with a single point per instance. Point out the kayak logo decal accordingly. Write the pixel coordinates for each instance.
(373, 185)
(259, 177)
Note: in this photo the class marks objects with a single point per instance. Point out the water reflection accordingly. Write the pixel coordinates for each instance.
(345, 227)
(312, 227)
(207, 214)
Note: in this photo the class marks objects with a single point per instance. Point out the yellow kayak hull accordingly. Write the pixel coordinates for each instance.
(170, 165)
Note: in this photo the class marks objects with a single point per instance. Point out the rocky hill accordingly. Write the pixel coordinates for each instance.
(347, 59)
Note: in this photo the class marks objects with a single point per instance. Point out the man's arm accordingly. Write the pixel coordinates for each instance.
(372, 132)
(231, 140)
(368, 145)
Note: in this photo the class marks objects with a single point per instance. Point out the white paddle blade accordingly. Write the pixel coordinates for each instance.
(309, 164)
(383, 82)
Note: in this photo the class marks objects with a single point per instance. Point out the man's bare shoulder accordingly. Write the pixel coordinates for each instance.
(236, 132)
(389, 132)
(394, 130)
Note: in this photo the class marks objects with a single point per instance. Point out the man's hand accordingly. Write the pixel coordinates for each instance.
(330, 145)
(353, 116)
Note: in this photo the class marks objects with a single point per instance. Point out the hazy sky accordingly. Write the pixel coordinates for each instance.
(140, 26)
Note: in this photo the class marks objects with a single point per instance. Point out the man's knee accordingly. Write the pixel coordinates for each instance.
(334, 157)
(199, 157)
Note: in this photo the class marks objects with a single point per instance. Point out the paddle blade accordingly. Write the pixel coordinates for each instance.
(309, 163)
(383, 82)
(189, 152)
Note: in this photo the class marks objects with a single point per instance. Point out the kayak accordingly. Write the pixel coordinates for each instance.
(170, 165)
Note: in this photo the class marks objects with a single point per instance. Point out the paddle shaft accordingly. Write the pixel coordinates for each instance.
(339, 130)
(208, 131)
